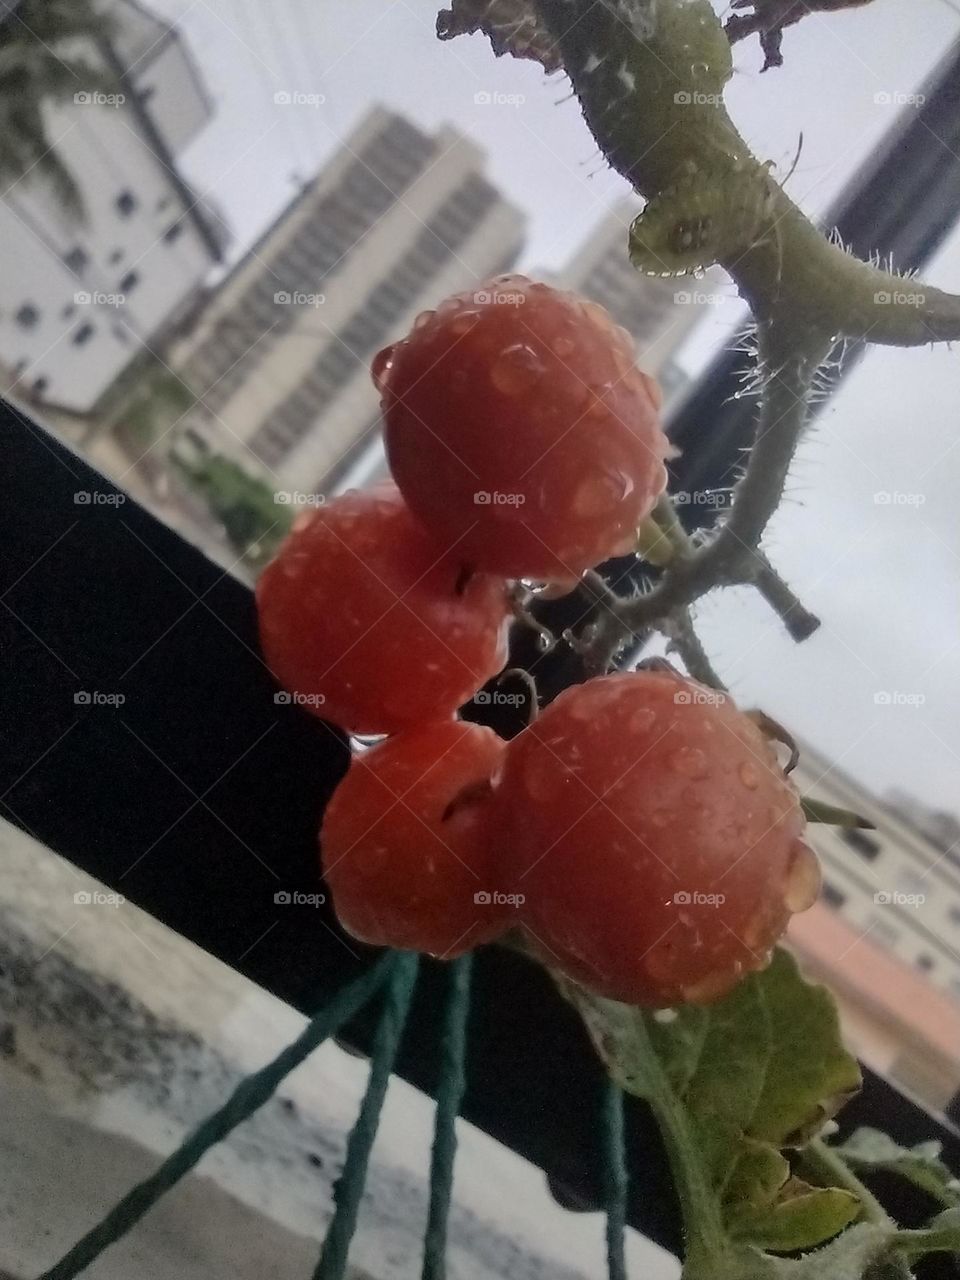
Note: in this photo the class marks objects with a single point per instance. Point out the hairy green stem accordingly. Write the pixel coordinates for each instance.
(833, 1171)
(916, 1244)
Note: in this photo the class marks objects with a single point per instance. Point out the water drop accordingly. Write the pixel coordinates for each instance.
(423, 319)
(642, 720)
(381, 365)
(803, 879)
(517, 369)
(691, 762)
(749, 775)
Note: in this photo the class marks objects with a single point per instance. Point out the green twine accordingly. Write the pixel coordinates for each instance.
(349, 1187)
(249, 1095)
(615, 1179)
(449, 1096)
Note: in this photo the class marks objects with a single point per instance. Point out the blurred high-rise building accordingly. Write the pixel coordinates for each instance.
(279, 352)
(885, 935)
(80, 296)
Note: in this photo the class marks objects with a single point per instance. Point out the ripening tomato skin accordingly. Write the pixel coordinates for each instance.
(371, 623)
(521, 428)
(655, 838)
(406, 845)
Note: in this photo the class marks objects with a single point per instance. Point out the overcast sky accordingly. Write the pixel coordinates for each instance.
(884, 576)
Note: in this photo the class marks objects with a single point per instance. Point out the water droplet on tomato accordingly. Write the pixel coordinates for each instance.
(596, 495)
(464, 322)
(642, 720)
(749, 775)
(423, 319)
(517, 369)
(691, 762)
(803, 879)
(381, 364)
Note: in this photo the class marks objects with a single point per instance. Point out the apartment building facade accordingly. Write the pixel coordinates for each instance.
(279, 352)
(80, 297)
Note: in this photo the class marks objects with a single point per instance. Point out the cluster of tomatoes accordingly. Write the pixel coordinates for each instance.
(641, 831)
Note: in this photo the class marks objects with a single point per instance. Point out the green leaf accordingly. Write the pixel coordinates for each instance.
(848, 1257)
(801, 1214)
(869, 1149)
(732, 1084)
(820, 811)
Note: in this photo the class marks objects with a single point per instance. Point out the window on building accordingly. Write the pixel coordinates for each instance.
(129, 282)
(864, 844)
(77, 260)
(832, 896)
(83, 335)
(126, 202)
(173, 233)
(28, 317)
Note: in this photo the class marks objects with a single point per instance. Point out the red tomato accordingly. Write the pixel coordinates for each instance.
(518, 426)
(370, 623)
(655, 838)
(406, 845)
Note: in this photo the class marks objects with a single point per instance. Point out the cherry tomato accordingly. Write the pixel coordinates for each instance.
(406, 845)
(655, 838)
(518, 426)
(370, 623)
